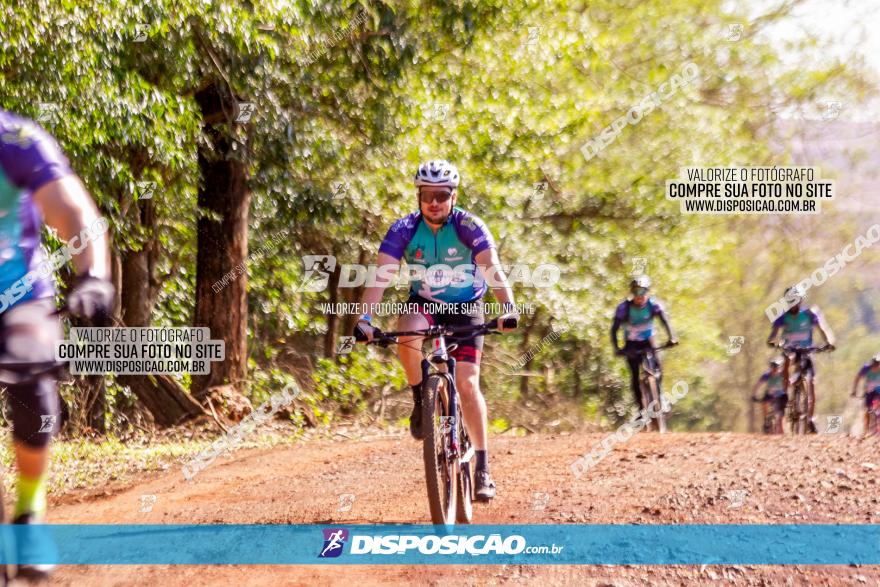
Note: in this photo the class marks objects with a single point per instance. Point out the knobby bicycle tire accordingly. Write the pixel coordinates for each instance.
(440, 474)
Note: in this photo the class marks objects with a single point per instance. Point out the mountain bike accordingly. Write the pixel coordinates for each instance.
(446, 450)
(873, 411)
(12, 373)
(799, 408)
(649, 375)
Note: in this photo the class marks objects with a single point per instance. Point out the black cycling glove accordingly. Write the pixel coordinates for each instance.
(92, 298)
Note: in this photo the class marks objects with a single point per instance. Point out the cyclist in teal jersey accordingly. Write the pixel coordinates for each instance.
(797, 326)
(37, 186)
(774, 390)
(637, 316)
(870, 372)
(451, 254)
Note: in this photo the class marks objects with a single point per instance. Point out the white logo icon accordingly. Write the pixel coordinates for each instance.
(639, 265)
(47, 423)
(245, 111)
(834, 424)
(147, 503)
(737, 498)
(540, 500)
(735, 32)
(317, 272)
(48, 112)
(340, 189)
(346, 501)
(832, 109)
(532, 41)
(735, 344)
(145, 190)
(141, 31)
(345, 346)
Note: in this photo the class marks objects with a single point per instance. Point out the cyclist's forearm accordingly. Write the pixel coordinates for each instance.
(387, 267)
(615, 326)
(68, 208)
(855, 388)
(489, 264)
(666, 325)
(827, 334)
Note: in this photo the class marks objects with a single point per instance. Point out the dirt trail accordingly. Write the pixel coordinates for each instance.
(685, 478)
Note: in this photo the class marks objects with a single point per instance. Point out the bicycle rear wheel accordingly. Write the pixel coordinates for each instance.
(441, 467)
(653, 393)
(464, 513)
(799, 420)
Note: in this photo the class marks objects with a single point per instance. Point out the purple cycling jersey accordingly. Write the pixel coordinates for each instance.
(29, 158)
(446, 259)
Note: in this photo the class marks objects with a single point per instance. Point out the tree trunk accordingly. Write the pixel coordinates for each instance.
(222, 243)
(332, 317)
(165, 399)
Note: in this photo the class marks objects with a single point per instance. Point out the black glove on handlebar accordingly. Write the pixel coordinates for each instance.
(92, 298)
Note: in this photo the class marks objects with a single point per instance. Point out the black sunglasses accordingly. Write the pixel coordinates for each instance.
(428, 197)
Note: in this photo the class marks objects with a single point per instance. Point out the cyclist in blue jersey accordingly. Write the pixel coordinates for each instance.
(774, 392)
(637, 315)
(870, 372)
(797, 326)
(37, 186)
(450, 254)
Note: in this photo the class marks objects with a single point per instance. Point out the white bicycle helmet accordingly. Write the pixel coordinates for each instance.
(437, 172)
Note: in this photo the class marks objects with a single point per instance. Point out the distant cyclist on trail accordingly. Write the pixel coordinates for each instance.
(774, 393)
(636, 314)
(870, 372)
(441, 238)
(37, 185)
(797, 326)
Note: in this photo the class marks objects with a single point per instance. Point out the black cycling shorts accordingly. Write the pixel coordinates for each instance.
(28, 333)
(463, 314)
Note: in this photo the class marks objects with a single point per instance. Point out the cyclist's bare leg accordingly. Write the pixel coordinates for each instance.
(30, 460)
(473, 404)
(410, 348)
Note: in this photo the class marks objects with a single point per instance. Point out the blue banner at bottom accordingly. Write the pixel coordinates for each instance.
(565, 544)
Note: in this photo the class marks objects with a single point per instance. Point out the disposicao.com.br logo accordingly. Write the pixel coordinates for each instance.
(448, 544)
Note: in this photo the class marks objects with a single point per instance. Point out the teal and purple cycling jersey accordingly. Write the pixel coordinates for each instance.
(443, 265)
(773, 384)
(29, 158)
(797, 329)
(638, 322)
(872, 381)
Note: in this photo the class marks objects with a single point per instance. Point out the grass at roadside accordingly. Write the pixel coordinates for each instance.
(94, 463)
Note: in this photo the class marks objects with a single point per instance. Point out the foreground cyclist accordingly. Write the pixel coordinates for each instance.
(797, 326)
(637, 315)
(437, 237)
(774, 397)
(36, 185)
(870, 372)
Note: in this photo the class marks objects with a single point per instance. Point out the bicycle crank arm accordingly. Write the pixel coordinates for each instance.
(466, 457)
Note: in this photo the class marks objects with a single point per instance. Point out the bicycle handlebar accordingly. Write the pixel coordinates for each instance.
(633, 352)
(808, 349)
(470, 331)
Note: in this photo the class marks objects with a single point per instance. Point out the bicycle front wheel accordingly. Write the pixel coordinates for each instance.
(441, 466)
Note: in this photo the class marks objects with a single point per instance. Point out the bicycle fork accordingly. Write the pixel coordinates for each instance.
(453, 411)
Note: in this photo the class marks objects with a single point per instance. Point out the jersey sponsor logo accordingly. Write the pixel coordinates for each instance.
(454, 254)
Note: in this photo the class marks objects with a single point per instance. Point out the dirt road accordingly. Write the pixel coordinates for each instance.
(685, 478)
